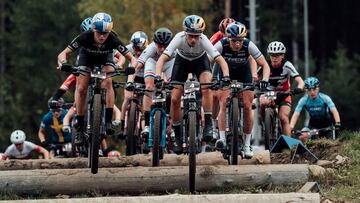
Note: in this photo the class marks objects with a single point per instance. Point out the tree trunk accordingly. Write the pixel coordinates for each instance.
(211, 158)
(138, 180)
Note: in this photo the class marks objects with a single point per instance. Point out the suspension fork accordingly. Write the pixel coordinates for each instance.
(163, 126)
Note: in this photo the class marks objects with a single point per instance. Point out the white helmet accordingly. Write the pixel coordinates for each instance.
(17, 137)
(276, 47)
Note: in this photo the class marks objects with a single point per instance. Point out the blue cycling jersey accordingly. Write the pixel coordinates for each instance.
(318, 109)
(54, 125)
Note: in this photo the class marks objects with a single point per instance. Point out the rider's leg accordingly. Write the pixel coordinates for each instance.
(175, 112)
(147, 101)
(215, 112)
(110, 98)
(248, 97)
(205, 77)
(82, 83)
(284, 112)
(221, 143)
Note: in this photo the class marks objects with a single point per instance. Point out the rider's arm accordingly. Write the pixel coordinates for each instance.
(138, 67)
(64, 55)
(160, 63)
(68, 116)
(299, 82)
(253, 67)
(224, 66)
(41, 134)
(44, 152)
(119, 59)
(265, 67)
(335, 114)
(117, 113)
(294, 119)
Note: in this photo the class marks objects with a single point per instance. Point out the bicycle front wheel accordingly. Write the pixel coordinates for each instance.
(130, 130)
(192, 121)
(234, 131)
(269, 128)
(156, 135)
(95, 133)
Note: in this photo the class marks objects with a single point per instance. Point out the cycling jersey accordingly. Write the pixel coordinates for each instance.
(280, 77)
(238, 62)
(13, 152)
(182, 48)
(216, 37)
(54, 125)
(88, 45)
(318, 109)
(149, 57)
(140, 73)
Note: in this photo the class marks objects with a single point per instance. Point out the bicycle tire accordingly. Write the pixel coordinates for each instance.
(95, 125)
(130, 130)
(269, 128)
(192, 121)
(156, 136)
(235, 132)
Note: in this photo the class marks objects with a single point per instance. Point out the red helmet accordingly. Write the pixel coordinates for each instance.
(114, 154)
(224, 23)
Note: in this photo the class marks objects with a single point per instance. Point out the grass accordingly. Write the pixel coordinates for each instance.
(345, 184)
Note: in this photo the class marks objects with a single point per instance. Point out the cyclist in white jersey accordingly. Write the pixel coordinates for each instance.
(21, 149)
(139, 42)
(191, 47)
(147, 59)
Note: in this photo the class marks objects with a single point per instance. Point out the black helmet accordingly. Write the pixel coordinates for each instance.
(55, 104)
(163, 36)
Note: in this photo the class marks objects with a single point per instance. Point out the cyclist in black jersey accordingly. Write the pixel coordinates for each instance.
(96, 49)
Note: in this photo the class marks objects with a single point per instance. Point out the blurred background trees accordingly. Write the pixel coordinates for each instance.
(33, 32)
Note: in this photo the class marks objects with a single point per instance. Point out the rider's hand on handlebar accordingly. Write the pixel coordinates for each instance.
(226, 81)
(297, 90)
(66, 129)
(129, 86)
(337, 126)
(158, 81)
(263, 84)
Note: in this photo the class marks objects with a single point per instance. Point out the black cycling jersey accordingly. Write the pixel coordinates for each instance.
(89, 47)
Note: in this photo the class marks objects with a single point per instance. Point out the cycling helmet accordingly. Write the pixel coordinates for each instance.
(55, 104)
(311, 82)
(163, 36)
(114, 154)
(194, 24)
(86, 24)
(139, 40)
(102, 22)
(236, 30)
(224, 23)
(17, 137)
(276, 47)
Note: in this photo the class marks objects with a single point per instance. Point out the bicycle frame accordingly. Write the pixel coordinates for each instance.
(159, 100)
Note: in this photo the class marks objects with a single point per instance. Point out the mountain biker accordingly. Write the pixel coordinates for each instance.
(71, 79)
(52, 122)
(97, 47)
(322, 110)
(221, 33)
(237, 50)
(281, 71)
(21, 149)
(138, 43)
(148, 58)
(191, 47)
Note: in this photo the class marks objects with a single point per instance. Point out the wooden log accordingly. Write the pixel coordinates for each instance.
(177, 198)
(147, 179)
(210, 158)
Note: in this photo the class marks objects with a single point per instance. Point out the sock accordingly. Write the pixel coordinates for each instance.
(203, 148)
(177, 130)
(59, 93)
(80, 120)
(122, 124)
(208, 119)
(247, 139)
(147, 118)
(222, 135)
(108, 115)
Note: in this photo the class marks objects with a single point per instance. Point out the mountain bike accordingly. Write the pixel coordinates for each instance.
(96, 104)
(191, 128)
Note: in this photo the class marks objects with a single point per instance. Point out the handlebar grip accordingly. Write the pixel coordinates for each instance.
(67, 68)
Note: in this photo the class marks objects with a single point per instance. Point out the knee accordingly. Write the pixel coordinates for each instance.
(107, 84)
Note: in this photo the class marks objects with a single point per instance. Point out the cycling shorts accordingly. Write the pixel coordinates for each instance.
(91, 61)
(182, 67)
(150, 68)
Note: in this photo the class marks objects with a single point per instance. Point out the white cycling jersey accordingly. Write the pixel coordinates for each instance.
(13, 152)
(131, 50)
(180, 45)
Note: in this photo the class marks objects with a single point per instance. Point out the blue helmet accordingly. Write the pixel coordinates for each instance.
(311, 82)
(102, 22)
(139, 40)
(86, 24)
(194, 24)
(236, 30)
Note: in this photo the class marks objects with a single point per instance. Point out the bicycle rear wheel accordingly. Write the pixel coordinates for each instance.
(95, 133)
(269, 128)
(234, 131)
(192, 121)
(156, 136)
(130, 130)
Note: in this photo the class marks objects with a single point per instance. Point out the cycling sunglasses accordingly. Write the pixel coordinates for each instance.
(275, 55)
(236, 40)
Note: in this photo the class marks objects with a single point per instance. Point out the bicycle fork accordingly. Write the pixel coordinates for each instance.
(163, 127)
